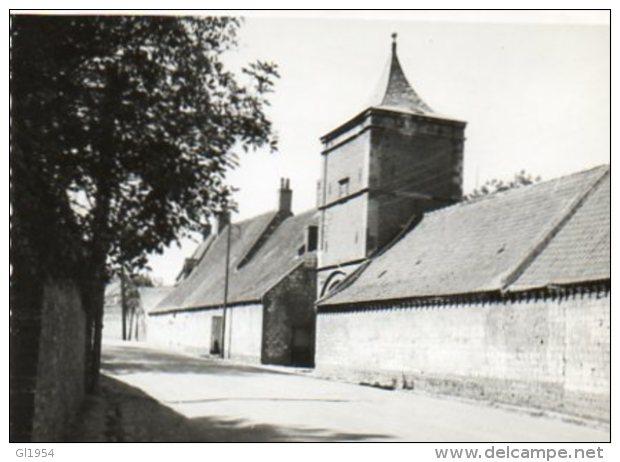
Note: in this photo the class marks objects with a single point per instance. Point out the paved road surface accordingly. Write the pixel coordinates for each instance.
(219, 401)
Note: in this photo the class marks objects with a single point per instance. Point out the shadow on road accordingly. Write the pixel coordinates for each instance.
(236, 399)
(122, 413)
(237, 430)
(120, 360)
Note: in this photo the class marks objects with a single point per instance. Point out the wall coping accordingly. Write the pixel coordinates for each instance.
(557, 292)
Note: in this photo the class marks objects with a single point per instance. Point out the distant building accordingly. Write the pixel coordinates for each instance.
(259, 307)
(139, 301)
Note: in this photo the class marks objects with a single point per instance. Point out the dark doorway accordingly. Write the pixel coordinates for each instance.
(302, 347)
(216, 335)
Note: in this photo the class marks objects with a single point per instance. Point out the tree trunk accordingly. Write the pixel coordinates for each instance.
(100, 244)
(123, 305)
(94, 296)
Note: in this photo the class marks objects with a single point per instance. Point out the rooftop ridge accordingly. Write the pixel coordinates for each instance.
(487, 197)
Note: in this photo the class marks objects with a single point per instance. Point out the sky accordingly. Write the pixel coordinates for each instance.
(533, 87)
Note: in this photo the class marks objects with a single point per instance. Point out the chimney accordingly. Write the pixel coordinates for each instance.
(188, 266)
(285, 196)
(206, 230)
(223, 220)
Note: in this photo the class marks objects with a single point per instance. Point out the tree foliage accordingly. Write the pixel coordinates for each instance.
(129, 123)
(493, 186)
(123, 130)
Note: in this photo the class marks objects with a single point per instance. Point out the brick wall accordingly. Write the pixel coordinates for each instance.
(289, 320)
(191, 331)
(550, 353)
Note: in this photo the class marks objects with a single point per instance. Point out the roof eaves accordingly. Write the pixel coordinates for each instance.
(483, 296)
(355, 120)
(162, 311)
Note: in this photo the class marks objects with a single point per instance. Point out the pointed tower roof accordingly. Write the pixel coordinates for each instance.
(395, 91)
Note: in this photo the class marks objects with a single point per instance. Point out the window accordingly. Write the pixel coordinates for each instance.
(343, 187)
(312, 238)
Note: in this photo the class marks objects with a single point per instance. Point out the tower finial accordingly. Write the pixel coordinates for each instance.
(394, 35)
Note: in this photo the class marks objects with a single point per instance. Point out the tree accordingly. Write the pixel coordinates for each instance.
(123, 130)
(130, 300)
(493, 186)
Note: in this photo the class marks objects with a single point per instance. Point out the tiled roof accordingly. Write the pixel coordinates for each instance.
(482, 245)
(275, 258)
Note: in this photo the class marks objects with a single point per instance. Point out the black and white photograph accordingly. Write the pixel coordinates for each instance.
(313, 227)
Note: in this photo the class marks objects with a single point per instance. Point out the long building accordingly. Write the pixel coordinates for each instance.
(504, 298)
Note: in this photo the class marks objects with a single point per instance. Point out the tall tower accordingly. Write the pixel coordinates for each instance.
(383, 169)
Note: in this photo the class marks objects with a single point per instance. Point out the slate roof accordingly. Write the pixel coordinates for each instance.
(395, 92)
(581, 249)
(548, 233)
(273, 260)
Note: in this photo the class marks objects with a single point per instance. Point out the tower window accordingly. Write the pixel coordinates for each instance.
(312, 238)
(343, 187)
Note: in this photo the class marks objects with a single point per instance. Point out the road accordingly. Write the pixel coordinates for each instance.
(219, 401)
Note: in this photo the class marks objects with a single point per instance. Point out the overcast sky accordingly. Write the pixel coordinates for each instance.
(535, 94)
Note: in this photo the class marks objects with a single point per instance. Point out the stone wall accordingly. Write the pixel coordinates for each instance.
(343, 225)
(289, 320)
(192, 331)
(549, 353)
(347, 160)
(410, 155)
(48, 357)
(396, 166)
(344, 232)
(25, 326)
(62, 361)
